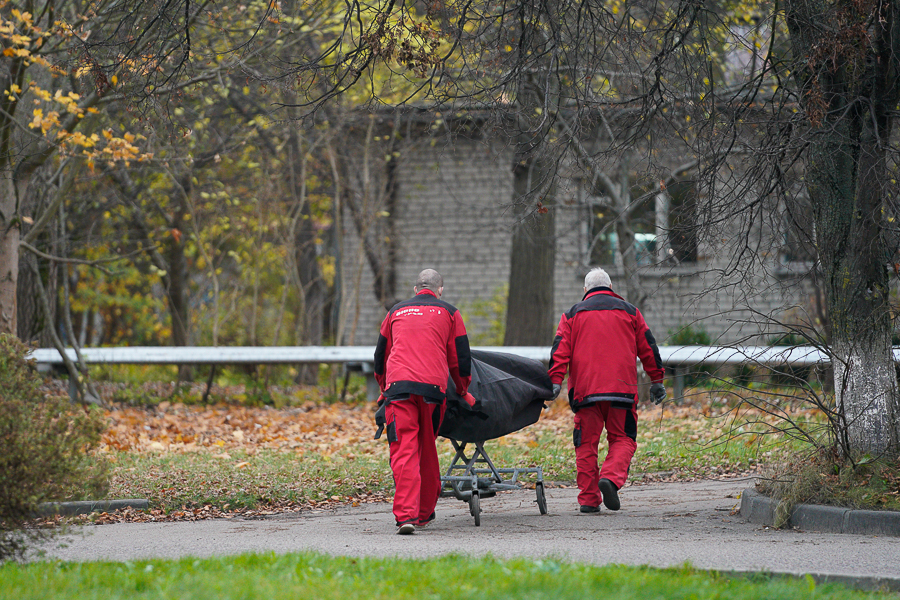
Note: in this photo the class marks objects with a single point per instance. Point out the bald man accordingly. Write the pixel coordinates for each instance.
(422, 341)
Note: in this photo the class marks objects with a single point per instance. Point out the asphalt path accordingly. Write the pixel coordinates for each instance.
(660, 524)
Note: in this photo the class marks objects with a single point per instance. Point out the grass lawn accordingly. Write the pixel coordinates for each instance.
(183, 458)
(309, 575)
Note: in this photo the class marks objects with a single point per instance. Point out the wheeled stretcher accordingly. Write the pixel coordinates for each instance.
(510, 391)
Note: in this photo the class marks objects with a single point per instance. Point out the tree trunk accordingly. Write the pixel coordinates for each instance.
(176, 282)
(634, 291)
(846, 174)
(310, 277)
(308, 271)
(529, 315)
(848, 202)
(9, 255)
(31, 323)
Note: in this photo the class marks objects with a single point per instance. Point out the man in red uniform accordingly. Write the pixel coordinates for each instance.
(421, 340)
(599, 341)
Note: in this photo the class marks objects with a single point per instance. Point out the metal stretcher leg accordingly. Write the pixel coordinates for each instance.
(475, 483)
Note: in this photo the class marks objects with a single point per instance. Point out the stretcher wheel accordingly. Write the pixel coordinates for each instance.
(475, 508)
(541, 499)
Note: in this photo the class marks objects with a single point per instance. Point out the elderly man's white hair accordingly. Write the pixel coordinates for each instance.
(597, 278)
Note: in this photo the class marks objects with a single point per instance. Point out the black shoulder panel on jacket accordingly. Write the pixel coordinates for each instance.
(463, 356)
(424, 300)
(556, 340)
(601, 302)
(380, 352)
(656, 356)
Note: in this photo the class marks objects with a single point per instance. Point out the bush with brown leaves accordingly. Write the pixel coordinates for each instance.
(46, 449)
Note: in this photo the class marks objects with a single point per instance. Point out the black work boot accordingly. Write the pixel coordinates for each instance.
(610, 494)
(589, 509)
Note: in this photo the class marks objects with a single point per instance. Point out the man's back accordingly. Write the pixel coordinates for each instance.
(598, 340)
(422, 340)
(420, 330)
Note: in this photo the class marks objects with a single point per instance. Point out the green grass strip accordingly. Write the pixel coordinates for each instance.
(310, 575)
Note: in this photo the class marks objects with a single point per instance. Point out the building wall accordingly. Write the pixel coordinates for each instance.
(450, 217)
(453, 214)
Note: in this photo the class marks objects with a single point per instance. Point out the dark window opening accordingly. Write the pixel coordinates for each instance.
(798, 231)
(682, 220)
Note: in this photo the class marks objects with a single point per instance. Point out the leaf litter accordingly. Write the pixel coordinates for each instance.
(231, 439)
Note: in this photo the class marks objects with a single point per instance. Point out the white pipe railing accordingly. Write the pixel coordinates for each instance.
(678, 358)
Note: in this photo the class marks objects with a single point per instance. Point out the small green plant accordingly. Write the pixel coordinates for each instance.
(691, 335)
(492, 312)
(785, 375)
(46, 445)
(827, 478)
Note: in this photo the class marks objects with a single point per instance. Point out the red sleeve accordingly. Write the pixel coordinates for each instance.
(561, 352)
(459, 358)
(382, 351)
(648, 351)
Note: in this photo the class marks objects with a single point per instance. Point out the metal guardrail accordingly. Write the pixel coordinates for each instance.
(360, 358)
(211, 355)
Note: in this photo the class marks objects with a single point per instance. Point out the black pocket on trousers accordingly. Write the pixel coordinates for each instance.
(436, 420)
(392, 433)
(576, 436)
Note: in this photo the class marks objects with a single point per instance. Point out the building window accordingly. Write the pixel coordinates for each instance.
(681, 223)
(798, 231)
(664, 229)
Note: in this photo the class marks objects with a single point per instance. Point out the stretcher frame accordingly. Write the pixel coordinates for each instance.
(476, 483)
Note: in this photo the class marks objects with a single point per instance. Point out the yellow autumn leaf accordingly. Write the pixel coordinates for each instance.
(38, 116)
(23, 17)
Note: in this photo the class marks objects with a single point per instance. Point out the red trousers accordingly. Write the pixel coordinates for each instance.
(412, 427)
(620, 420)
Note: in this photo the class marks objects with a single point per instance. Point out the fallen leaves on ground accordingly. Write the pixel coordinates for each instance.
(322, 429)
(232, 434)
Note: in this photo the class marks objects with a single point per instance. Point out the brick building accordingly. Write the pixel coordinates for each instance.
(428, 203)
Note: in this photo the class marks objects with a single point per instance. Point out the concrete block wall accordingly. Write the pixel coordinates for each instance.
(453, 214)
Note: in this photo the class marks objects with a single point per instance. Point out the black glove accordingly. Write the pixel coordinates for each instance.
(657, 393)
(556, 388)
(380, 415)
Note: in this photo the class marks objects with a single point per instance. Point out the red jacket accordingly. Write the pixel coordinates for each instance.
(422, 340)
(599, 341)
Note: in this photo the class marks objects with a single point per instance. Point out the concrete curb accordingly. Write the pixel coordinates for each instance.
(760, 509)
(68, 509)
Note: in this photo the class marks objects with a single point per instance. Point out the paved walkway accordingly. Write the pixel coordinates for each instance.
(665, 524)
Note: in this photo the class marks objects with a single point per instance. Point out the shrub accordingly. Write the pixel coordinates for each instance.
(825, 477)
(689, 336)
(692, 336)
(46, 442)
(786, 375)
